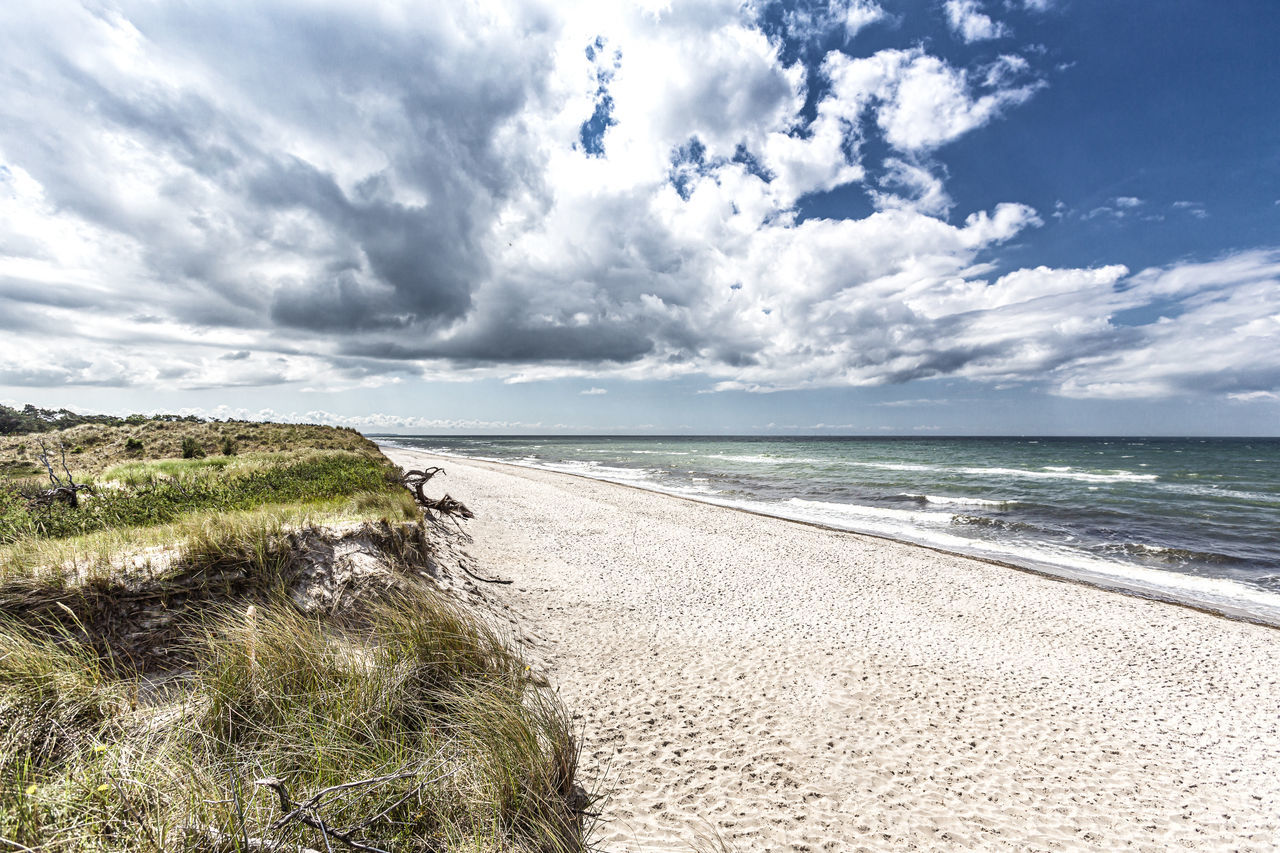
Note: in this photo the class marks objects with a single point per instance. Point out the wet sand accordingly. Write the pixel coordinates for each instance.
(793, 688)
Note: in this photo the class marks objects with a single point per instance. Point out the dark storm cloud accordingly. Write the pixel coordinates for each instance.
(426, 102)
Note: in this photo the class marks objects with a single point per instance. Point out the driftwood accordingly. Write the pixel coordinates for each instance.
(446, 505)
(67, 492)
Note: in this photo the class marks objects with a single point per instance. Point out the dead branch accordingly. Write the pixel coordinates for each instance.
(449, 506)
(308, 811)
(483, 580)
(67, 492)
(301, 814)
(417, 479)
(446, 505)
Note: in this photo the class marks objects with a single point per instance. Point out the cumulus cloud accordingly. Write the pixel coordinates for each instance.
(346, 195)
(920, 101)
(970, 23)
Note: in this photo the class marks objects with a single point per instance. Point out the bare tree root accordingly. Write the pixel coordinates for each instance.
(446, 505)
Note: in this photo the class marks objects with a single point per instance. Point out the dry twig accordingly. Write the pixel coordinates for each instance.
(308, 811)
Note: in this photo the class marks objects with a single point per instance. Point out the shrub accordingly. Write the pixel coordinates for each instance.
(133, 445)
(229, 446)
(191, 449)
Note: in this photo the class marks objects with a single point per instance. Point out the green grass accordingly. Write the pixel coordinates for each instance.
(105, 446)
(153, 666)
(99, 555)
(148, 494)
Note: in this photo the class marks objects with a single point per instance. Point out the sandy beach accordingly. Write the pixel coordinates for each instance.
(793, 688)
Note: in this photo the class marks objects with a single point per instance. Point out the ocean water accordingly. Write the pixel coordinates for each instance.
(1189, 520)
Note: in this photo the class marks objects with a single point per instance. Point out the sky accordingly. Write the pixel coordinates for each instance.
(855, 217)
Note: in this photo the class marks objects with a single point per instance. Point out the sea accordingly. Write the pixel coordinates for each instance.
(1191, 520)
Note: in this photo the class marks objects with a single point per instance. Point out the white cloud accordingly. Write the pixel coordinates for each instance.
(1116, 208)
(1224, 336)
(1192, 208)
(806, 23)
(970, 23)
(1006, 69)
(591, 392)
(921, 101)
(413, 198)
(918, 188)
(856, 15)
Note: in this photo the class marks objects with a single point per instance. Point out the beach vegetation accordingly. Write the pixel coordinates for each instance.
(186, 665)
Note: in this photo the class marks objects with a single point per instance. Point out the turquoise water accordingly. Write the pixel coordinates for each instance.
(1193, 520)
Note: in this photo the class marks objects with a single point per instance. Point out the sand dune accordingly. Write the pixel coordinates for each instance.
(793, 688)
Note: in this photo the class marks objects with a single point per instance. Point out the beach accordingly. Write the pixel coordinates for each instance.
(785, 686)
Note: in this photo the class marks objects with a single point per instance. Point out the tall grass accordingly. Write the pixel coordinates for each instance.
(416, 689)
(405, 723)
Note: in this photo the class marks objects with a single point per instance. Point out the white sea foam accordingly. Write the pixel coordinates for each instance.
(766, 460)
(941, 500)
(601, 471)
(1221, 594)
(897, 466)
(1066, 473)
(1047, 473)
(933, 528)
(1216, 492)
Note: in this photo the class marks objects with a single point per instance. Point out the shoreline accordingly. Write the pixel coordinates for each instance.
(793, 686)
(1092, 580)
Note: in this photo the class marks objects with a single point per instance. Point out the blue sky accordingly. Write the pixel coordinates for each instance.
(954, 216)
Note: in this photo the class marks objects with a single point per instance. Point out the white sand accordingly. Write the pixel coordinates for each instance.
(803, 689)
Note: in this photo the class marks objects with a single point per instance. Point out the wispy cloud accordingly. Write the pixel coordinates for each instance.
(1192, 208)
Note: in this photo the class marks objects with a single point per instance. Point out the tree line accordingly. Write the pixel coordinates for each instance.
(35, 419)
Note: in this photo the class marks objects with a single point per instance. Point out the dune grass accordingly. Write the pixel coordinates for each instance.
(405, 723)
(418, 691)
(99, 554)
